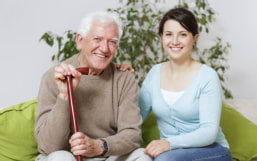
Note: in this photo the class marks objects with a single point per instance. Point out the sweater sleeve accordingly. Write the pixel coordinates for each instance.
(209, 117)
(52, 127)
(128, 136)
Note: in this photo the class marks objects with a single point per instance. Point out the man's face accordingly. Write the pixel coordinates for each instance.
(98, 47)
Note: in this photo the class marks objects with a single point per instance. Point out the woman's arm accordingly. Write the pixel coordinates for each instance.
(145, 101)
(209, 116)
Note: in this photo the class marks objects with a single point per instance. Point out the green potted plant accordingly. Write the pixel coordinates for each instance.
(140, 43)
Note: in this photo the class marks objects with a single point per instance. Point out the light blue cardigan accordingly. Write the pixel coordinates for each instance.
(193, 120)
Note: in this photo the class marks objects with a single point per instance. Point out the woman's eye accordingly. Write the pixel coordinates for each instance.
(183, 34)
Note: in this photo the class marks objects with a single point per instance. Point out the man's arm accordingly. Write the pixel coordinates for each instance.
(128, 136)
(52, 129)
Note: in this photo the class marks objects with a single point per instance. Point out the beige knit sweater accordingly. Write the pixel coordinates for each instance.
(106, 106)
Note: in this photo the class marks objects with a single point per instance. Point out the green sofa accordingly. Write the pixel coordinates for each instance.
(17, 142)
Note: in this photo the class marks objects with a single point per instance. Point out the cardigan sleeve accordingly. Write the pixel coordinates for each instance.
(209, 116)
(145, 97)
(145, 102)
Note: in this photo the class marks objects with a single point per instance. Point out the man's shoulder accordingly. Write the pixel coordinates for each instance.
(72, 60)
(50, 70)
(122, 76)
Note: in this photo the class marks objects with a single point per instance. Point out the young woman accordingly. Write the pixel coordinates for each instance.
(185, 96)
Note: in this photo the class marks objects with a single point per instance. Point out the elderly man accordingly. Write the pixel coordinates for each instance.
(108, 116)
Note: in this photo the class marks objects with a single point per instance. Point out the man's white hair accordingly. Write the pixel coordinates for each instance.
(101, 17)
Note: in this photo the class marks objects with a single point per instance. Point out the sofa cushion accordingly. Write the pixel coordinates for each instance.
(18, 143)
(247, 107)
(239, 131)
(150, 129)
(17, 132)
(241, 134)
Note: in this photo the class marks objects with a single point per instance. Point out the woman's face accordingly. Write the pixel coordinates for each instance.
(177, 42)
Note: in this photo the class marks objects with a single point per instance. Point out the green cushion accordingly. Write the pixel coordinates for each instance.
(150, 130)
(239, 131)
(17, 142)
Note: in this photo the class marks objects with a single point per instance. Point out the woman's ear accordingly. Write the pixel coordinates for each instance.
(160, 37)
(79, 40)
(196, 37)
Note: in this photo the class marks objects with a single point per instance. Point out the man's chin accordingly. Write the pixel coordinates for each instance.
(101, 67)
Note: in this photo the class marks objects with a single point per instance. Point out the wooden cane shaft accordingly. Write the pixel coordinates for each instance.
(74, 123)
(72, 105)
(73, 113)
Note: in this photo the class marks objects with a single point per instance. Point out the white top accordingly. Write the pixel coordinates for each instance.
(171, 97)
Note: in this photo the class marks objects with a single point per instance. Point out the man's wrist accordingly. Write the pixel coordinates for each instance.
(104, 147)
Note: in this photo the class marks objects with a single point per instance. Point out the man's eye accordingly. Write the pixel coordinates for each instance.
(168, 34)
(97, 39)
(112, 42)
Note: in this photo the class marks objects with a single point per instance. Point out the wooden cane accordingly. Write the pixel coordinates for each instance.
(73, 113)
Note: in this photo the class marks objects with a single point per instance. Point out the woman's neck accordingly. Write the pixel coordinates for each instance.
(180, 66)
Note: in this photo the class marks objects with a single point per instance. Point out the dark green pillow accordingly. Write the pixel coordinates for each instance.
(17, 142)
(239, 131)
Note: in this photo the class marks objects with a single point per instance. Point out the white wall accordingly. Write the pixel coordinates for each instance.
(24, 59)
(239, 27)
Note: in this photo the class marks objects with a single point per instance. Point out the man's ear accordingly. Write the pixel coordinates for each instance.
(79, 41)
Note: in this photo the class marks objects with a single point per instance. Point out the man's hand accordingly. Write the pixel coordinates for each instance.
(85, 146)
(125, 67)
(59, 75)
(156, 147)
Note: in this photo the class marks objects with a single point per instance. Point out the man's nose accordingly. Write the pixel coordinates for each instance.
(104, 46)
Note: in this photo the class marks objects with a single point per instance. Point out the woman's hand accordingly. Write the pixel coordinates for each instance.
(125, 67)
(156, 147)
(59, 76)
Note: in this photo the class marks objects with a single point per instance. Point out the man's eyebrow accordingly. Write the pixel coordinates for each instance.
(116, 39)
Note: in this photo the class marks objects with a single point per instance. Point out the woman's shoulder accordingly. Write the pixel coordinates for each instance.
(155, 69)
(152, 74)
(207, 70)
(208, 73)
